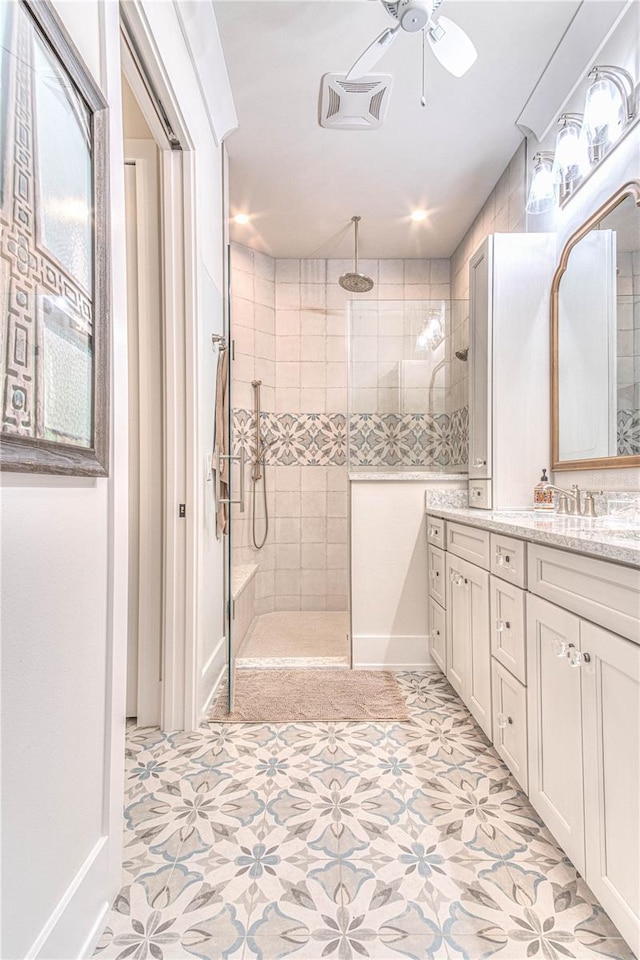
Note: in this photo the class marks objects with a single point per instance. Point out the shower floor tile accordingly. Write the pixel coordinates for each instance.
(297, 639)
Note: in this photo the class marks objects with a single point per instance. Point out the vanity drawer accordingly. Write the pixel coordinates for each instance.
(509, 699)
(605, 593)
(509, 559)
(436, 531)
(435, 566)
(508, 644)
(437, 635)
(469, 543)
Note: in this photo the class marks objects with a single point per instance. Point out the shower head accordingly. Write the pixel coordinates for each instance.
(354, 281)
(463, 354)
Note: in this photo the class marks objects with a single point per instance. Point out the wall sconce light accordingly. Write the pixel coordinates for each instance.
(542, 193)
(571, 159)
(609, 107)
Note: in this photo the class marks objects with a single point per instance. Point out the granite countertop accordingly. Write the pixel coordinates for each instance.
(609, 538)
(373, 473)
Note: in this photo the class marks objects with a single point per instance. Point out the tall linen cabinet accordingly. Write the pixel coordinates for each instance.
(509, 288)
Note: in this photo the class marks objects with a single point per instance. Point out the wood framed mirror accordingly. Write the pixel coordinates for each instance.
(595, 340)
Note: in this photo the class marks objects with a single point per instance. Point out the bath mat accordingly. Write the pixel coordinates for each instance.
(289, 696)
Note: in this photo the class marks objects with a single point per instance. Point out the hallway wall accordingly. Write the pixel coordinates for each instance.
(64, 571)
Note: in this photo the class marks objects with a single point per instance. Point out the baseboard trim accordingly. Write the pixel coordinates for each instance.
(77, 917)
(391, 652)
(209, 687)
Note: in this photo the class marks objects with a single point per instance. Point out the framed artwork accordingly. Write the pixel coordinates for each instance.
(54, 251)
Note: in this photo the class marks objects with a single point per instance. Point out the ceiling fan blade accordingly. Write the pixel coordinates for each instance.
(373, 53)
(451, 46)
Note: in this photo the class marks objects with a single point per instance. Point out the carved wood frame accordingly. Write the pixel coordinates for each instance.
(25, 454)
(630, 189)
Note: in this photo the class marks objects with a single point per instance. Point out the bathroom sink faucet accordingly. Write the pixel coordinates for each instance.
(570, 502)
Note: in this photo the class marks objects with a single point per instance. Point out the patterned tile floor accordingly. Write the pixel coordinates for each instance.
(343, 840)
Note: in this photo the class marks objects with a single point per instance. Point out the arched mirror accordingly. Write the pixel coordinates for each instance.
(595, 318)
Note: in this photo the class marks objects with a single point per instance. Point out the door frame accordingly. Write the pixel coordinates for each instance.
(178, 286)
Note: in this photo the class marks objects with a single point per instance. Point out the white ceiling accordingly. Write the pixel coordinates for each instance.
(301, 183)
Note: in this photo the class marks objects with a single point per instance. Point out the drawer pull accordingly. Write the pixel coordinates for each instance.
(576, 658)
(435, 633)
(504, 720)
(502, 558)
(479, 462)
(433, 574)
(502, 625)
(434, 532)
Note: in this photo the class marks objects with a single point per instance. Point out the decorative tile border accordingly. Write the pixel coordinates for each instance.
(628, 432)
(320, 439)
(303, 439)
(409, 439)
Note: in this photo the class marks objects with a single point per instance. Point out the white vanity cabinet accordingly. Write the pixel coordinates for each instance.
(468, 642)
(584, 775)
(555, 734)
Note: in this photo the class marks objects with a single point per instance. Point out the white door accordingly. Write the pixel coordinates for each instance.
(146, 422)
(457, 625)
(555, 724)
(611, 721)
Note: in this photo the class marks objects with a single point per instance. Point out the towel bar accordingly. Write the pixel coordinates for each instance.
(220, 340)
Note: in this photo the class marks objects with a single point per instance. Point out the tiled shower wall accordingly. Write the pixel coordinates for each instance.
(289, 323)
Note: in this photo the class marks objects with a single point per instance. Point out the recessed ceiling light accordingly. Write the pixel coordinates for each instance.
(418, 216)
(241, 218)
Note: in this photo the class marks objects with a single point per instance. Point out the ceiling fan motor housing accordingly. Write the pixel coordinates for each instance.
(414, 15)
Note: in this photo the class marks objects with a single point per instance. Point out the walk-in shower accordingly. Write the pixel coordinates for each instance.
(258, 471)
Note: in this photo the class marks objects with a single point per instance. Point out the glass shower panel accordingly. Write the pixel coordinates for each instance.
(407, 387)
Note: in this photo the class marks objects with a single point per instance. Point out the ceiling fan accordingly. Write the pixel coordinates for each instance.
(450, 44)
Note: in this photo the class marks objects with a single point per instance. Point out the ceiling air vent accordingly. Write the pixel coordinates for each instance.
(354, 104)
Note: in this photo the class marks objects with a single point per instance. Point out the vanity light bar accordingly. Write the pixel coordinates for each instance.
(584, 139)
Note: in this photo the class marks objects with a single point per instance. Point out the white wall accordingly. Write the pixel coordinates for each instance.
(64, 571)
(64, 568)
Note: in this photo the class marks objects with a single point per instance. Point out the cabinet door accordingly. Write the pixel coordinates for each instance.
(458, 625)
(437, 635)
(507, 627)
(555, 724)
(478, 687)
(436, 568)
(611, 721)
(510, 722)
(481, 309)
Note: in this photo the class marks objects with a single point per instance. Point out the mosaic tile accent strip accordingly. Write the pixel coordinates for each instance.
(628, 433)
(409, 439)
(390, 439)
(448, 498)
(303, 439)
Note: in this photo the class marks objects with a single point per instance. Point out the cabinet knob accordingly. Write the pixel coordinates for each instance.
(479, 462)
(576, 658)
(561, 647)
(502, 625)
(504, 720)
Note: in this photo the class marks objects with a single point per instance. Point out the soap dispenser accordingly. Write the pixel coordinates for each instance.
(542, 497)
